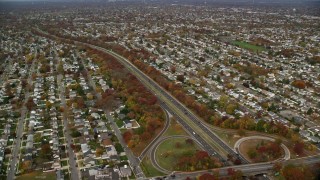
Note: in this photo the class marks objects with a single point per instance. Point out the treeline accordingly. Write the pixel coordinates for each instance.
(198, 161)
(202, 110)
(141, 103)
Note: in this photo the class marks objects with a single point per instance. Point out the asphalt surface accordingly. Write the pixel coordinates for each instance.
(154, 141)
(190, 121)
(184, 114)
(286, 150)
(187, 119)
(16, 146)
(75, 175)
(247, 169)
(133, 160)
(181, 113)
(155, 147)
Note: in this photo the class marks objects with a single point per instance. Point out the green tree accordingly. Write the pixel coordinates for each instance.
(310, 111)
(231, 108)
(260, 125)
(223, 101)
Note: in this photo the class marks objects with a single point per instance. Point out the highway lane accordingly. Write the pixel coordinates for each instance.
(211, 140)
(143, 77)
(186, 118)
(179, 110)
(205, 145)
(197, 134)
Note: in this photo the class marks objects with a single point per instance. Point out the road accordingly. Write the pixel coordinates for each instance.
(16, 150)
(191, 122)
(166, 126)
(72, 157)
(184, 115)
(286, 150)
(134, 161)
(155, 147)
(250, 169)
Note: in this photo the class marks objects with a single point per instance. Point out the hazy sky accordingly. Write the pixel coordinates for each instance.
(264, 1)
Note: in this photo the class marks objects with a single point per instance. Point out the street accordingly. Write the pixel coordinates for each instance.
(16, 149)
(134, 161)
(72, 157)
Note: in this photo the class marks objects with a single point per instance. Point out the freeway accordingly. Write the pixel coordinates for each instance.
(191, 122)
(210, 140)
(179, 110)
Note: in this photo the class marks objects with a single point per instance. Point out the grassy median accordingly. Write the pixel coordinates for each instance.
(170, 151)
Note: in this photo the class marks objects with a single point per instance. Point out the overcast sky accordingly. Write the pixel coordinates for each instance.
(264, 1)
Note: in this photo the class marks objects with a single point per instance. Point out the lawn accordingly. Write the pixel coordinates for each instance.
(249, 46)
(148, 168)
(169, 153)
(119, 123)
(253, 144)
(123, 158)
(64, 163)
(38, 175)
(229, 138)
(175, 129)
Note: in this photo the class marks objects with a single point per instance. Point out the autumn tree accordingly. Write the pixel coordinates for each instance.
(207, 176)
(293, 172)
(234, 174)
(189, 141)
(277, 166)
(299, 84)
(99, 152)
(298, 147)
(180, 78)
(46, 151)
(173, 69)
(127, 136)
(30, 104)
(26, 166)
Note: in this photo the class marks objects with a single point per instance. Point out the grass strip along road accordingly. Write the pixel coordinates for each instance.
(246, 169)
(191, 122)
